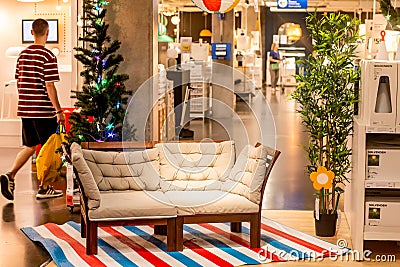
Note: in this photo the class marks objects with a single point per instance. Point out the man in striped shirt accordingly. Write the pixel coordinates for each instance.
(38, 106)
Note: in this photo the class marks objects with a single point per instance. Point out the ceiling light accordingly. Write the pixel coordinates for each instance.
(165, 38)
(175, 20)
(58, 7)
(13, 51)
(205, 33)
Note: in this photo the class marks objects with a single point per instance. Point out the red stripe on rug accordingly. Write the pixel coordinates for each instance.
(241, 241)
(297, 240)
(75, 245)
(142, 251)
(206, 254)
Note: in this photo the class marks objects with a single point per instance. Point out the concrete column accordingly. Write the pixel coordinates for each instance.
(134, 23)
(249, 19)
(222, 31)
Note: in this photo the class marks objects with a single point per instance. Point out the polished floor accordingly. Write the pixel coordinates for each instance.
(288, 188)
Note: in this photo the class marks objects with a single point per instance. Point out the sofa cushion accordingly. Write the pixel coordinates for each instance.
(124, 205)
(248, 173)
(85, 176)
(210, 202)
(195, 166)
(136, 170)
(188, 185)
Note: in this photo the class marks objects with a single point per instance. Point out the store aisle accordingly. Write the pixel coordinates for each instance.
(288, 187)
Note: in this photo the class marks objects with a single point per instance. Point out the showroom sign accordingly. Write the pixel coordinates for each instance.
(292, 4)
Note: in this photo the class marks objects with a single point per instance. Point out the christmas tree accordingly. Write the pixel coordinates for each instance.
(102, 101)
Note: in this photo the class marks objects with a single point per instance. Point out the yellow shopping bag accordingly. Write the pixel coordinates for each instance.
(49, 162)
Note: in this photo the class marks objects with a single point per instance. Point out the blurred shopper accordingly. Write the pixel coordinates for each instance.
(274, 64)
(38, 105)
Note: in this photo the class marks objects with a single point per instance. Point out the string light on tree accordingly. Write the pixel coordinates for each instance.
(103, 87)
(110, 126)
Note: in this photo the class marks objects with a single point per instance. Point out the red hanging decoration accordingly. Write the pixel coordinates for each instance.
(216, 6)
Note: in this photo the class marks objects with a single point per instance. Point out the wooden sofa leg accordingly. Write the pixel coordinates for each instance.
(91, 239)
(179, 233)
(236, 227)
(160, 229)
(255, 231)
(171, 235)
(83, 226)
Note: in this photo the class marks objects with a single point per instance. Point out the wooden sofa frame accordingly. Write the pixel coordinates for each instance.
(173, 227)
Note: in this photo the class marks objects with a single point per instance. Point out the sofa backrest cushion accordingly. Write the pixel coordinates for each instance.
(195, 166)
(85, 176)
(248, 174)
(136, 170)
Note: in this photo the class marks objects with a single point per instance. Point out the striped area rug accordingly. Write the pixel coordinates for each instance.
(204, 245)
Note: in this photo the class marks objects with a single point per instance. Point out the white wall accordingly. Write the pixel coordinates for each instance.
(11, 15)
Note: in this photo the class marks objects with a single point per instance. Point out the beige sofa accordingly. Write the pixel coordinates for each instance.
(170, 185)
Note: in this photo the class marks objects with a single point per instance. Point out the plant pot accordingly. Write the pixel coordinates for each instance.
(326, 225)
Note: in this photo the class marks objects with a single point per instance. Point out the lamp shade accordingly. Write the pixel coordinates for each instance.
(30, 1)
(162, 29)
(205, 33)
(14, 51)
(216, 6)
(175, 20)
(165, 38)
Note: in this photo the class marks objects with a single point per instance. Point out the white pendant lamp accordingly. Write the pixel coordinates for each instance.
(175, 20)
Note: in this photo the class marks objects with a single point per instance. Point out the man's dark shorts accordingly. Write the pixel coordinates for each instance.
(37, 131)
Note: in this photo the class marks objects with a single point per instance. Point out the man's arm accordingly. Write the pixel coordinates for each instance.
(52, 92)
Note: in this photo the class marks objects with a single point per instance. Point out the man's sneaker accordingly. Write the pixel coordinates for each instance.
(48, 192)
(7, 186)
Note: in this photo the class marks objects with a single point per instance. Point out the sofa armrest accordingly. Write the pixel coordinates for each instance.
(250, 172)
(85, 176)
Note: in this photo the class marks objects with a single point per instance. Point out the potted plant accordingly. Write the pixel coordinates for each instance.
(326, 95)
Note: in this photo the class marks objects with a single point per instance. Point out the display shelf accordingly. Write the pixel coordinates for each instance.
(200, 90)
(360, 187)
(382, 184)
(381, 233)
(199, 99)
(374, 129)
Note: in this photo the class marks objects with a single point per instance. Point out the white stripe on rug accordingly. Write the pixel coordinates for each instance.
(187, 252)
(108, 260)
(230, 243)
(69, 252)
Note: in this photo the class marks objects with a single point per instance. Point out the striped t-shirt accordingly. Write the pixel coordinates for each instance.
(36, 65)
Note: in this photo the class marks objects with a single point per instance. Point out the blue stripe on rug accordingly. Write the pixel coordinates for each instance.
(55, 251)
(222, 246)
(107, 248)
(277, 244)
(161, 245)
